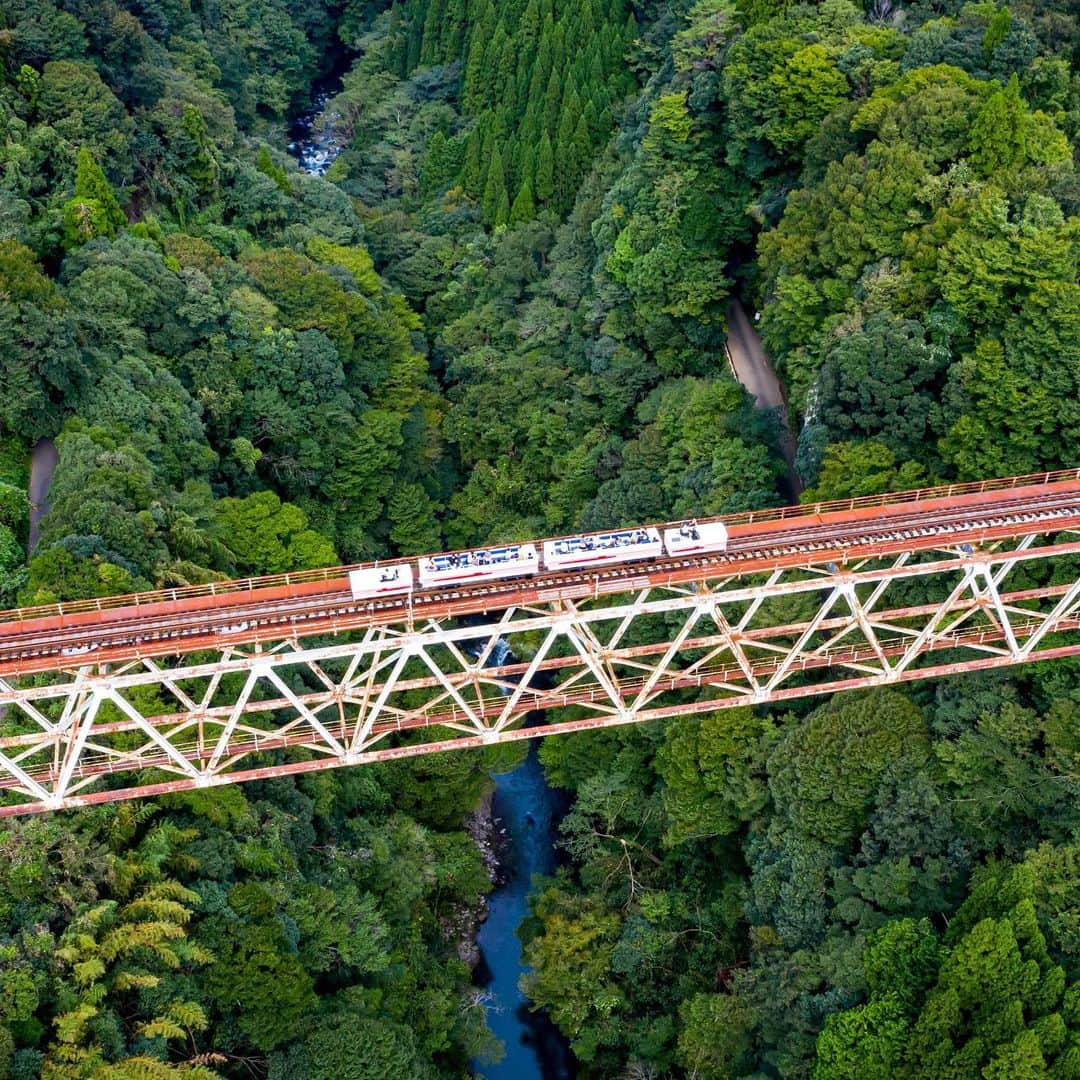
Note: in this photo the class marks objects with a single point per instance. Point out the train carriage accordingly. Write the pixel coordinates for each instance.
(481, 564)
(386, 580)
(599, 549)
(689, 538)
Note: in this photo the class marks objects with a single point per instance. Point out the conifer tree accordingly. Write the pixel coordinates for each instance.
(543, 60)
(472, 171)
(552, 100)
(413, 46)
(558, 46)
(396, 48)
(429, 43)
(581, 148)
(94, 211)
(521, 82)
(91, 183)
(527, 166)
(565, 161)
(502, 208)
(202, 165)
(472, 87)
(596, 71)
(265, 164)
(592, 120)
(453, 31)
(439, 165)
(498, 69)
(523, 208)
(545, 170)
(528, 30)
(494, 188)
(998, 137)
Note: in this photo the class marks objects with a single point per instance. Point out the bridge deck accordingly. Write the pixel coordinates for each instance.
(258, 678)
(165, 622)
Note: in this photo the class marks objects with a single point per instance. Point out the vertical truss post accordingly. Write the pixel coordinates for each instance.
(627, 658)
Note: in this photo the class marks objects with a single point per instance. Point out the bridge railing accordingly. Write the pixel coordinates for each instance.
(335, 573)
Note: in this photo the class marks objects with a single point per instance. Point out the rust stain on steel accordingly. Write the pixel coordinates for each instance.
(410, 689)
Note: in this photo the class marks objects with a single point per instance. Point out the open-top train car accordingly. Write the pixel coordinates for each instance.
(599, 549)
(481, 564)
(381, 580)
(582, 552)
(691, 538)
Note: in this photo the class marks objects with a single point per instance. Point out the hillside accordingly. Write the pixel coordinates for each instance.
(501, 314)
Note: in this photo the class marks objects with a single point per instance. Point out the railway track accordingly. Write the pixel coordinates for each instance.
(72, 639)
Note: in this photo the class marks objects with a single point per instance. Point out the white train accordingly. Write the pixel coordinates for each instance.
(523, 560)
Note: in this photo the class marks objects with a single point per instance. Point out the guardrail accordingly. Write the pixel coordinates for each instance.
(333, 573)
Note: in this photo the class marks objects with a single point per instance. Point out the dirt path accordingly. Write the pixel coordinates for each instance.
(43, 461)
(754, 370)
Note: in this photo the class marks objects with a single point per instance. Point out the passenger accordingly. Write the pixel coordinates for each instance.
(684, 529)
(694, 529)
(589, 543)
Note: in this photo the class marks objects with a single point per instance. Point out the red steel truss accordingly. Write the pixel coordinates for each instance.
(181, 689)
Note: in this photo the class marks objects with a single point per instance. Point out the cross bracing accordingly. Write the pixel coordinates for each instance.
(923, 597)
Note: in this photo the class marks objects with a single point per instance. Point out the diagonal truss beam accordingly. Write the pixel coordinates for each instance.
(100, 733)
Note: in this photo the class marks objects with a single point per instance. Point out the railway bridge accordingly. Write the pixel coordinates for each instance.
(187, 688)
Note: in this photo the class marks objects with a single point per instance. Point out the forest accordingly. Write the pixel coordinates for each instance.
(501, 314)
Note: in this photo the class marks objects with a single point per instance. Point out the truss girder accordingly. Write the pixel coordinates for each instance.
(98, 733)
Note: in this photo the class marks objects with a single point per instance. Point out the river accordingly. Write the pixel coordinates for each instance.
(312, 138)
(523, 802)
(526, 806)
(529, 810)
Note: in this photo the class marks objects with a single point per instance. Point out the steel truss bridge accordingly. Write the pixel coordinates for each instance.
(196, 687)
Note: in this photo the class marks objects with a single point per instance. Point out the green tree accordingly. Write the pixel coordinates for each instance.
(414, 528)
(494, 188)
(998, 139)
(94, 211)
(715, 1035)
(265, 164)
(545, 170)
(264, 535)
(523, 208)
(571, 959)
(713, 773)
(353, 1047)
(823, 773)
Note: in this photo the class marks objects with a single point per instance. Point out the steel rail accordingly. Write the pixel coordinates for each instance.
(315, 673)
(750, 517)
(146, 635)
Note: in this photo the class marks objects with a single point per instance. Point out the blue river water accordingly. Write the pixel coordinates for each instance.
(535, 1049)
(527, 807)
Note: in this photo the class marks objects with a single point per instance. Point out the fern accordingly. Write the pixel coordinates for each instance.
(189, 1014)
(132, 980)
(70, 1026)
(161, 1028)
(87, 971)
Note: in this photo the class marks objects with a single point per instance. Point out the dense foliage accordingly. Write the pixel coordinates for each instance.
(501, 314)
